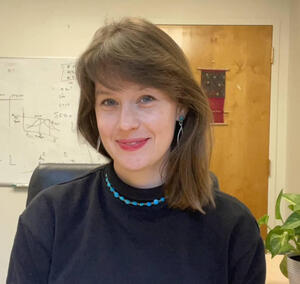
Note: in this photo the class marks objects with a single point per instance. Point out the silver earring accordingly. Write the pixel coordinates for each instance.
(98, 144)
(180, 131)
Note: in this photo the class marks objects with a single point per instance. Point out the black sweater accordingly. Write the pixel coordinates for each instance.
(78, 232)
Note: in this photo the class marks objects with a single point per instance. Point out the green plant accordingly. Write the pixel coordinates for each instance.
(284, 239)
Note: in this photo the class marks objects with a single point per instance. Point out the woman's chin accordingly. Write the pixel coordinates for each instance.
(132, 166)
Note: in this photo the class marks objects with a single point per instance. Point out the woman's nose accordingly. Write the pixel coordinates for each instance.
(128, 118)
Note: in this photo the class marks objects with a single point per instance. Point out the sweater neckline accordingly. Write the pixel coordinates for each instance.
(130, 192)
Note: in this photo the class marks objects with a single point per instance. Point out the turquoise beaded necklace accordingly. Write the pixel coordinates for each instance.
(130, 202)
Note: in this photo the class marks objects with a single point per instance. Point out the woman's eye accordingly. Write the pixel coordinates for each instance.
(108, 102)
(147, 99)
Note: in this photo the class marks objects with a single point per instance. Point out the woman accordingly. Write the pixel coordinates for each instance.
(151, 214)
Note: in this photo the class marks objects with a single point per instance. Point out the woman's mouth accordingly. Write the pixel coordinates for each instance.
(132, 144)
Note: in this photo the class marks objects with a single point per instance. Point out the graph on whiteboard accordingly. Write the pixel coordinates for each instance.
(38, 109)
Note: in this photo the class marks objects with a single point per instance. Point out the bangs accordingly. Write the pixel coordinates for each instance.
(109, 74)
(118, 60)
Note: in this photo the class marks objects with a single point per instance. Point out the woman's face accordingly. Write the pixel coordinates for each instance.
(136, 125)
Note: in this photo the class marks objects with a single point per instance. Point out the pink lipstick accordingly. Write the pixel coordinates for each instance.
(132, 144)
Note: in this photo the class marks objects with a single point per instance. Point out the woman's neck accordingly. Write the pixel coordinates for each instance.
(145, 178)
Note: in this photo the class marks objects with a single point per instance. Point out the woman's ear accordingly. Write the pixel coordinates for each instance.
(181, 111)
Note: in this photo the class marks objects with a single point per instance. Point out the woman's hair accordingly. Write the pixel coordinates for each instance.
(135, 50)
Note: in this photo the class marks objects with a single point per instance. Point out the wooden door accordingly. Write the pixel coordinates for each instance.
(241, 146)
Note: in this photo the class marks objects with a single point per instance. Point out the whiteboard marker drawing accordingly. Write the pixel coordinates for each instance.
(38, 110)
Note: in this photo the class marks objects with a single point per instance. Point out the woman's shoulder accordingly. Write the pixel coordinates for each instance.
(69, 193)
(78, 185)
(230, 214)
(228, 203)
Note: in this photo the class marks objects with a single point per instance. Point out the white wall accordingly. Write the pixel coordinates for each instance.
(12, 203)
(293, 114)
(64, 28)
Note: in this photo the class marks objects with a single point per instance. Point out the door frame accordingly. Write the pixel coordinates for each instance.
(278, 99)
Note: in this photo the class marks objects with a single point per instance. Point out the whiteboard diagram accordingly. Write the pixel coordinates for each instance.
(39, 126)
(38, 111)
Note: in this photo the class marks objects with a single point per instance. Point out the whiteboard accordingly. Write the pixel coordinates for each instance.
(38, 108)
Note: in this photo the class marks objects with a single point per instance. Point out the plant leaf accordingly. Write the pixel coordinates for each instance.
(283, 266)
(263, 220)
(292, 222)
(279, 242)
(268, 238)
(292, 198)
(277, 230)
(296, 207)
(291, 206)
(297, 232)
(277, 206)
(273, 240)
(286, 247)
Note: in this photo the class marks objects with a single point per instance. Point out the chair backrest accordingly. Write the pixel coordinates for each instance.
(49, 174)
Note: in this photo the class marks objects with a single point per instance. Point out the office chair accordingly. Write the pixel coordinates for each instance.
(49, 174)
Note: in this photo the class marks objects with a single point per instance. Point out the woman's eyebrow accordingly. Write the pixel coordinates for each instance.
(103, 92)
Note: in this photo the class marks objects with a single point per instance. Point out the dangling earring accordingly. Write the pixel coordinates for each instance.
(180, 131)
(98, 144)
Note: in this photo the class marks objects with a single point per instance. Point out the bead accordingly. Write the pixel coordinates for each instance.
(135, 203)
